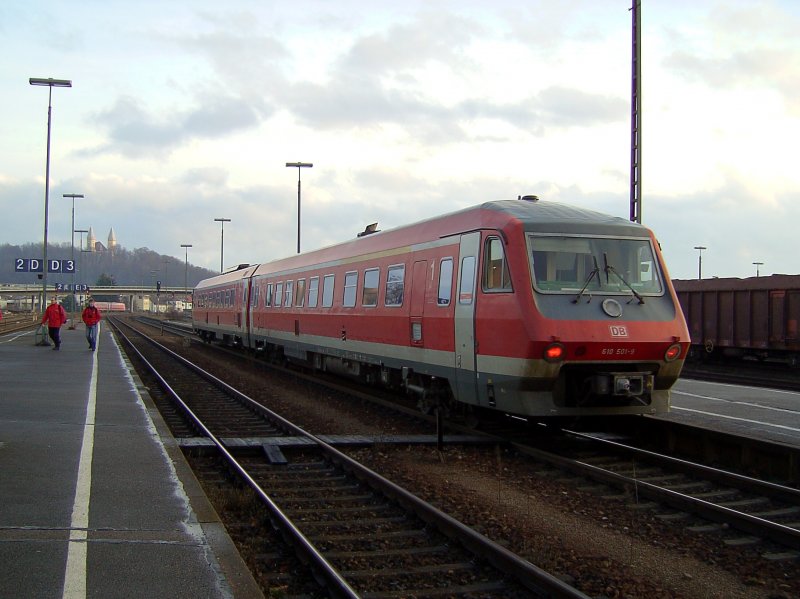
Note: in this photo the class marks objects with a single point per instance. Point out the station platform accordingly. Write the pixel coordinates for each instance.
(96, 499)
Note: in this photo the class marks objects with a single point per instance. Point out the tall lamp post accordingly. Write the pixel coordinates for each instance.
(700, 248)
(72, 250)
(153, 274)
(80, 251)
(757, 264)
(50, 83)
(222, 222)
(298, 165)
(165, 262)
(186, 246)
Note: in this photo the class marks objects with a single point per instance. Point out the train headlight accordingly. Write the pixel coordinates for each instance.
(673, 352)
(554, 352)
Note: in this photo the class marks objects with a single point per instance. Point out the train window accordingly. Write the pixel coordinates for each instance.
(268, 296)
(327, 291)
(254, 297)
(301, 292)
(621, 266)
(394, 285)
(369, 295)
(278, 294)
(445, 282)
(313, 291)
(495, 267)
(350, 288)
(289, 289)
(467, 288)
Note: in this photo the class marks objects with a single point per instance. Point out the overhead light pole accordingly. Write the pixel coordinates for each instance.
(72, 252)
(700, 249)
(222, 222)
(153, 274)
(80, 252)
(186, 246)
(165, 262)
(50, 83)
(298, 165)
(757, 264)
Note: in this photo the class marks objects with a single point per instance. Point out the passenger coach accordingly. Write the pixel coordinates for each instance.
(528, 307)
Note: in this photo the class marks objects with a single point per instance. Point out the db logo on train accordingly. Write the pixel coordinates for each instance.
(618, 330)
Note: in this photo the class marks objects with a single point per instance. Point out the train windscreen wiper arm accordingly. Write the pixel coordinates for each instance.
(609, 268)
(595, 272)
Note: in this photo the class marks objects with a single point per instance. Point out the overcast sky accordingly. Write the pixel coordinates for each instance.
(186, 111)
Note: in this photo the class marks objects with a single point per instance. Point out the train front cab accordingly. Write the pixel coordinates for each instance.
(589, 326)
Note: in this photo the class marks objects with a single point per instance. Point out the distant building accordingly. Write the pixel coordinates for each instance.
(112, 241)
(92, 245)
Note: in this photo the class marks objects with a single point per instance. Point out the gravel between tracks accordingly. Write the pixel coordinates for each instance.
(602, 546)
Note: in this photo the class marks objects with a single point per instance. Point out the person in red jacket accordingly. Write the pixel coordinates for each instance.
(91, 316)
(55, 316)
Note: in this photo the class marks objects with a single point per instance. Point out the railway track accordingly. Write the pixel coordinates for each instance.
(703, 499)
(747, 510)
(753, 374)
(361, 534)
(732, 511)
(11, 323)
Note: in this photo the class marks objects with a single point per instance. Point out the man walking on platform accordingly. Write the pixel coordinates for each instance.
(55, 317)
(91, 316)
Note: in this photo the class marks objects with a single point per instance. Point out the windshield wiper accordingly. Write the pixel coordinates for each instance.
(595, 272)
(609, 268)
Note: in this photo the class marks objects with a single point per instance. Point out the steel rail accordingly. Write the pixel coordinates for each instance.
(327, 574)
(754, 525)
(526, 573)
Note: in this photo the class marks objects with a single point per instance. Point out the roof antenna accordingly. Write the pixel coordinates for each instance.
(373, 228)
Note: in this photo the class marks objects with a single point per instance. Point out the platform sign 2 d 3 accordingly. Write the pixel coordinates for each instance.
(35, 265)
(69, 287)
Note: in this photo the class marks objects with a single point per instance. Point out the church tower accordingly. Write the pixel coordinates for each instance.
(90, 240)
(112, 241)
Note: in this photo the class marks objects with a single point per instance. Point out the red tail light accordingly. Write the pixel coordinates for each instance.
(554, 352)
(673, 352)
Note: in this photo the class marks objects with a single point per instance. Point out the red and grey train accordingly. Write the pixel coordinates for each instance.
(525, 306)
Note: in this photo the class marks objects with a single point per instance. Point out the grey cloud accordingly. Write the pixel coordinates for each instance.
(210, 176)
(432, 36)
(573, 107)
(135, 133)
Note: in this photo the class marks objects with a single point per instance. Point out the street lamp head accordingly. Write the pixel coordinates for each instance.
(300, 164)
(186, 245)
(72, 195)
(222, 220)
(50, 82)
(700, 247)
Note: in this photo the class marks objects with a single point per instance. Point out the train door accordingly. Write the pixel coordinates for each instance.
(466, 374)
(419, 278)
(244, 316)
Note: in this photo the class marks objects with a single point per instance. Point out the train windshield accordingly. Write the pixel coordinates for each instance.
(571, 264)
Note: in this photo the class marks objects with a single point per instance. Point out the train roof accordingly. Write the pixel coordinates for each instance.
(563, 218)
(527, 213)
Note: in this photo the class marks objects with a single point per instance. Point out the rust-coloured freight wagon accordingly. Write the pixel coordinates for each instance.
(757, 316)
